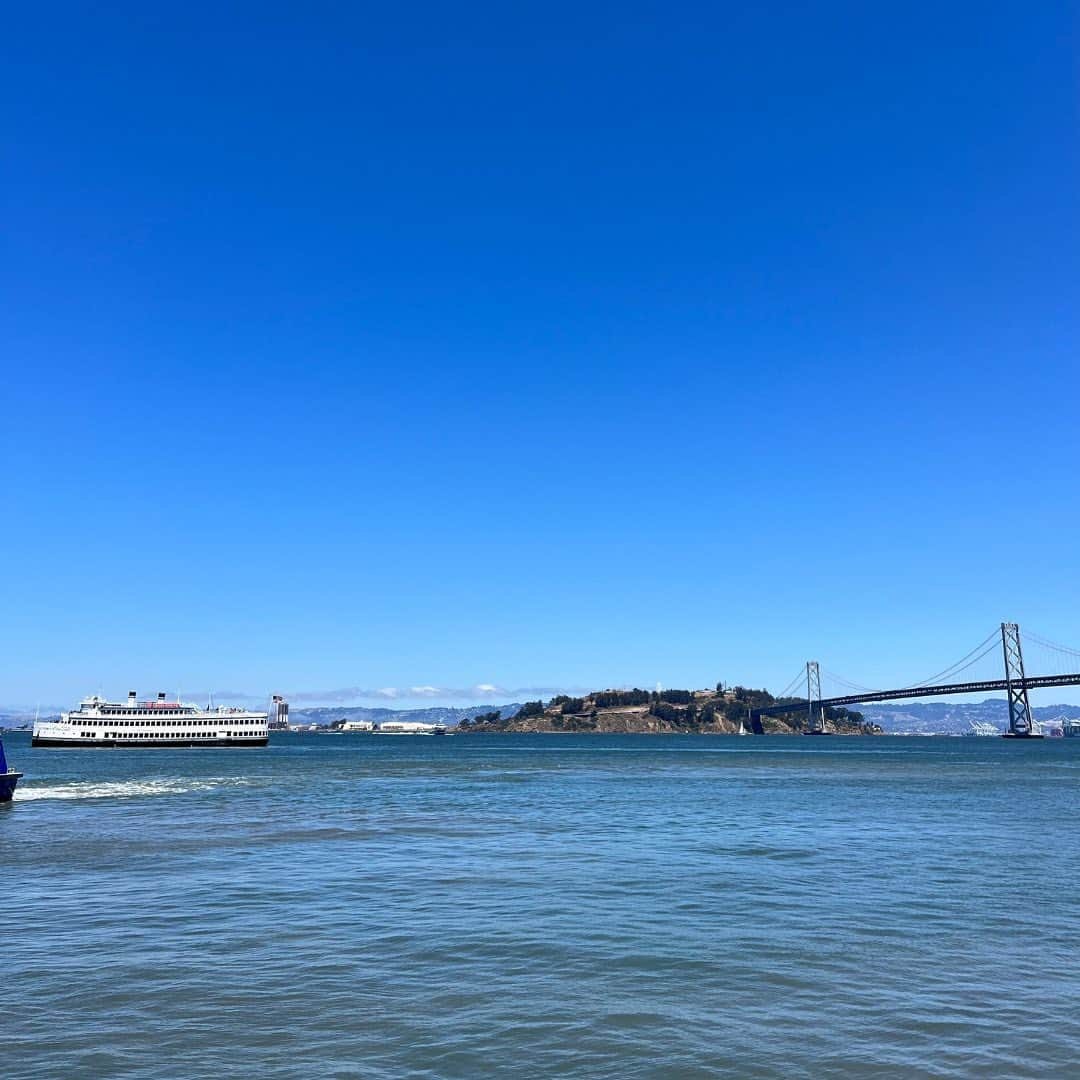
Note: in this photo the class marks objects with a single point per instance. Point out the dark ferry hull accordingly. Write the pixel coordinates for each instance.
(145, 744)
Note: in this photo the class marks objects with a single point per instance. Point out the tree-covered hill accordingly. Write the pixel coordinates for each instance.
(723, 711)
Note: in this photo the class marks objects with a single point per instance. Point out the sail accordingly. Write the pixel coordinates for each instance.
(3, 760)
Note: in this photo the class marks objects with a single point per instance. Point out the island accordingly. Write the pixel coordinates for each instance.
(722, 711)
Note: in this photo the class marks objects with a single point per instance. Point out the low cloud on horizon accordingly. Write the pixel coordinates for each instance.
(358, 695)
(480, 692)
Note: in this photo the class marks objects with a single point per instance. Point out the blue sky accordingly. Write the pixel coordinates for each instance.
(350, 347)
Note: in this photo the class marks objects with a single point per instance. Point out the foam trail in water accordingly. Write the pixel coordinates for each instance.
(121, 789)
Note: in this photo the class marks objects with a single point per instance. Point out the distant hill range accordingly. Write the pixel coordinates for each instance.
(333, 714)
(13, 717)
(952, 718)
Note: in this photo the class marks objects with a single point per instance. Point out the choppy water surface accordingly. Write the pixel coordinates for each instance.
(356, 906)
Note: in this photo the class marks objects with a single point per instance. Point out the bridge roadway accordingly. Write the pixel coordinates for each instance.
(1032, 682)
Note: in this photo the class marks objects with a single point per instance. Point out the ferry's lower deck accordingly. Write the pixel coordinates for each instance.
(148, 740)
(238, 729)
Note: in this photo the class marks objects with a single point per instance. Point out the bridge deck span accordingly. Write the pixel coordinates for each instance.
(1032, 682)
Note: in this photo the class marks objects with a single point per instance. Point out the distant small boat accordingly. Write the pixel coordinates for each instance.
(409, 727)
(8, 777)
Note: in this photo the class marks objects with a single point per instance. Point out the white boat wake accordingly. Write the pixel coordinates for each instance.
(127, 789)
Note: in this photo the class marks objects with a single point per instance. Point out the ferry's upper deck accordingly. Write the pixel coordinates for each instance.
(96, 706)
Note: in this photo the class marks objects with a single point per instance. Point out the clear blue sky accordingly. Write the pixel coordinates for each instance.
(533, 345)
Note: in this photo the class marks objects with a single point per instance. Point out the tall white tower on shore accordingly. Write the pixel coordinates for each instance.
(279, 714)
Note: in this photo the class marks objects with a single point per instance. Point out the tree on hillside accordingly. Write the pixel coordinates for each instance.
(671, 714)
(677, 697)
(608, 699)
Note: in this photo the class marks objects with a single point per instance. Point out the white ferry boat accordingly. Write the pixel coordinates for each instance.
(409, 727)
(97, 722)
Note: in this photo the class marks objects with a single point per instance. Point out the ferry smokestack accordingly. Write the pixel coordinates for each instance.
(161, 695)
(131, 697)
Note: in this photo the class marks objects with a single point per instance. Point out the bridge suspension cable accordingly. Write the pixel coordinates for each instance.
(790, 688)
(847, 683)
(1060, 658)
(1029, 636)
(986, 646)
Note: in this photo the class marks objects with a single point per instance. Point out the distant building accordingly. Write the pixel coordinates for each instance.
(357, 725)
(279, 714)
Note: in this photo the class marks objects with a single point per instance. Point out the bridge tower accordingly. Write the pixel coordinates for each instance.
(1020, 722)
(813, 694)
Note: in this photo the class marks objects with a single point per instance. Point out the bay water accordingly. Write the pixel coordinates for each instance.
(544, 906)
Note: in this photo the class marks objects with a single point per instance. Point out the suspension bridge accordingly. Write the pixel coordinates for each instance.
(1015, 683)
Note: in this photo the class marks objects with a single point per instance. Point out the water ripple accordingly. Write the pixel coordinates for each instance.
(553, 907)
